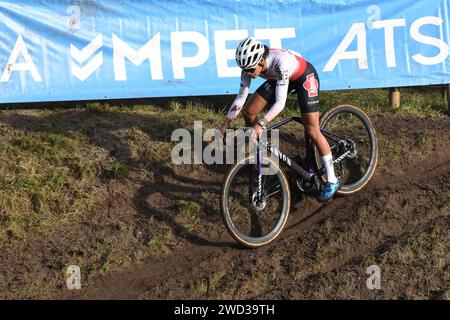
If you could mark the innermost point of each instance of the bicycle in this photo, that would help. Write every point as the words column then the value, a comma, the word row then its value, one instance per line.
column 255, row 203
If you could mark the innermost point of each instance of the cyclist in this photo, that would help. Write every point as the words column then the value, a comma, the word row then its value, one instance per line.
column 285, row 71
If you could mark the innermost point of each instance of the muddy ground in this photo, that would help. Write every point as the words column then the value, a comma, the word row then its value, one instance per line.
column 165, row 222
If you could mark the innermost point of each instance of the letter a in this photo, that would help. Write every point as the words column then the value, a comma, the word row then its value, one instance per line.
column 20, row 48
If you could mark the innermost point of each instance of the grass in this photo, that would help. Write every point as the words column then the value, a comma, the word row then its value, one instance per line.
column 41, row 189
column 160, row 241
column 428, row 103
column 410, row 263
column 190, row 211
column 74, row 168
column 115, row 169
column 206, row 285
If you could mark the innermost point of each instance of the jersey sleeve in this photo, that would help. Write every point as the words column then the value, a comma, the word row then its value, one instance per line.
column 281, row 92
column 239, row 101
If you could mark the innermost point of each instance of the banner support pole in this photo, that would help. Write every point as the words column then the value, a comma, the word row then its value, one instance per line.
column 447, row 92
column 394, row 98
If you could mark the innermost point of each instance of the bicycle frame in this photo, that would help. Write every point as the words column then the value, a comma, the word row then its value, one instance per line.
column 308, row 173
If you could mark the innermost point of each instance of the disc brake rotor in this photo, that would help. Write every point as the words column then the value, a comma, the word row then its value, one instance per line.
column 258, row 205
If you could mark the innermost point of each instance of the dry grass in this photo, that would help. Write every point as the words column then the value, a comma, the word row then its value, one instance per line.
column 95, row 187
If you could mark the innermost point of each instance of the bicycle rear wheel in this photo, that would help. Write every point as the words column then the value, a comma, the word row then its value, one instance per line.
column 251, row 223
column 353, row 143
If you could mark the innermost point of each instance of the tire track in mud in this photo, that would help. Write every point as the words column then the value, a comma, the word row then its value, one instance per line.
column 386, row 242
column 197, row 261
column 357, row 258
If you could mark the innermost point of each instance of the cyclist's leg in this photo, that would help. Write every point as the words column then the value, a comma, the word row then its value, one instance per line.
column 312, row 127
column 309, row 101
column 263, row 96
column 311, row 123
column 308, row 89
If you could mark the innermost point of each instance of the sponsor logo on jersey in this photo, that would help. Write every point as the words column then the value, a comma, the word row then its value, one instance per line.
column 282, row 76
column 267, row 86
column 311, row 85
column 235, row 108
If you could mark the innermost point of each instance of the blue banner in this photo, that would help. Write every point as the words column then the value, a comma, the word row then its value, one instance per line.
column 83, row 50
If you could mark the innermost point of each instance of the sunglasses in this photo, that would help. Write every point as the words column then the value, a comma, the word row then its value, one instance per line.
column 249, row 70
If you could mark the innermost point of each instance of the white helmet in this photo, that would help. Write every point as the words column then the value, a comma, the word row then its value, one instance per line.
column 249, row 53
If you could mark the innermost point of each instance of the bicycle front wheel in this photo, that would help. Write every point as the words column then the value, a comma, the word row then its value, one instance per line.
column 353, row 143
column 251, row 222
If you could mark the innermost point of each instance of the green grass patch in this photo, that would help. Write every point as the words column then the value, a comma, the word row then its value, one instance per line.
column 115, row 169
column 190, row 212
column 420, row 102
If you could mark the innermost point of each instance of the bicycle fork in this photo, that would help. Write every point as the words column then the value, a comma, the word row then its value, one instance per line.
column 256, row 198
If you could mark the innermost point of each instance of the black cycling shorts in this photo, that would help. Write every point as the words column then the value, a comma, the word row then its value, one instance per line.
column 307, row 87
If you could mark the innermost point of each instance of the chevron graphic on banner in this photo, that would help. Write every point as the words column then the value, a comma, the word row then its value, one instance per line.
column 81, row 56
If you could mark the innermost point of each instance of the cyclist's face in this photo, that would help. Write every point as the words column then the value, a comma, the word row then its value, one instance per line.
column 254, row 72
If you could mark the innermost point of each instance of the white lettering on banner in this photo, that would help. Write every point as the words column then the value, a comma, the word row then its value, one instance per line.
column 87, row 60
column 441, row 45
column 357, row 30
column 223, row 55
column 179, row 63
column 151, row 50
column 389, row 45
column 275, row 35
column 20, row 48
column 82, row 55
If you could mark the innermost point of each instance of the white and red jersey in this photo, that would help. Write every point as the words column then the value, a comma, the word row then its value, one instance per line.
column 283, row 66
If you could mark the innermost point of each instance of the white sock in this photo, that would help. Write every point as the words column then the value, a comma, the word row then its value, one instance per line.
column 329, row 167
